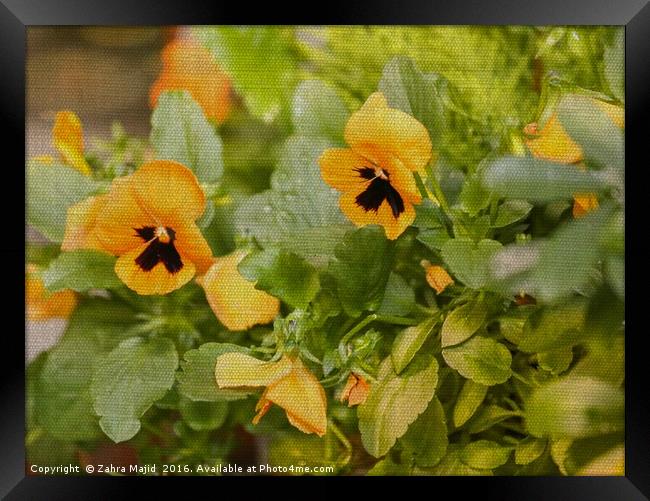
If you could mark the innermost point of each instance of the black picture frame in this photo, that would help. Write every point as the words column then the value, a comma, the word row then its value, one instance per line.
column 17, row 15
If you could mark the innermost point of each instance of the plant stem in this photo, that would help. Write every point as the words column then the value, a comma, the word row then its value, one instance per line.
column 344, row 441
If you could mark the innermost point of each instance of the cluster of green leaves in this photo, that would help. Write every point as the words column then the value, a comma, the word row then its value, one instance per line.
column 466, row 382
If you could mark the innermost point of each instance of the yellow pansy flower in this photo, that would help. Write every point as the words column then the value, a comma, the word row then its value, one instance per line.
column 375, row 174
column 234, row 300
column 289, row 384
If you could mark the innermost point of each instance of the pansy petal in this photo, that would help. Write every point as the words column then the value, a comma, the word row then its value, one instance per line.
column 236, row 369
column 155, row 281
column 387, row 136
column 554, row 144
column 403, row 181
column 168, row 191
column 81, row 222
column 582, row 204
column 338, row 168
column 395, row 226
column 234, row 300
column 438, row 278
column 119, row 217
column 193, row 246
column 42, row 305
column 67, row 135
column 303, row 398
column 190, row 66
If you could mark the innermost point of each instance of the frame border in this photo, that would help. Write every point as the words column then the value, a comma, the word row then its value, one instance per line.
column 16, row 15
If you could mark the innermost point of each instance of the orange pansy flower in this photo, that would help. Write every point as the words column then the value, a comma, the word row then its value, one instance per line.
column 553, row 143
column 355, row 391
column 192, row 67
column 288, row 383
column 42, row 305
column 147, row 219
column 375, row 173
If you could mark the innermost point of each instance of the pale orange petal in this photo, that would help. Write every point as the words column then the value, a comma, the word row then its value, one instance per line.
column 190, row 66
column 67, row 135
column 234, row 300
column 303, row 398
column 81, row 222
column 236, row 369
column 438, row 278
column 554, row 144
column 582, row 204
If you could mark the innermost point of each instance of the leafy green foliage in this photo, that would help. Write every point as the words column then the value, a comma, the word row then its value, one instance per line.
column 361, row 269
column 196, row 379
column 282, row 274
column 81, row 270
column 395, row 401
column 259, row 60
column 52, row 190
column 131, row 378
column 517, row 368
column 481, row 359
column 181, row 132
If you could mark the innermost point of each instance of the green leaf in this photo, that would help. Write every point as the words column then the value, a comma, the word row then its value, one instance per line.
column 510, row 212
column 51, row 190
column 537, row 180
column 487, row 416
column 300, row 213
column 63, row 404
column 408, row 342
column 553, row 268
column 575, row 407
column 131, row 378
column 481, row 359
column 614, row 62
column 181, row 132
column 196, row 379
column 202, row 416
column 416, row 93
column 484, row 454
column 555, row 327
column 463, row 322
column 529, row 449
column 81, row 270
column 395, row 401
column 469, row 399
column 361, row 268
column 319, row 111
column 282, row 274
column 426, row 439
column 451, row 465
column 470, row 261
column 601, row 140
column 474, row 197
column 556, row 361
column 399, row 298
column 260, row 61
